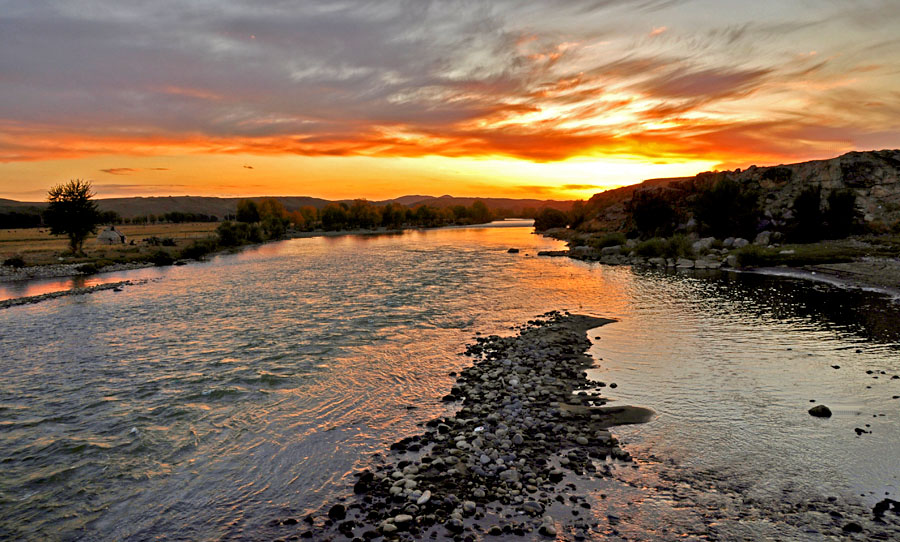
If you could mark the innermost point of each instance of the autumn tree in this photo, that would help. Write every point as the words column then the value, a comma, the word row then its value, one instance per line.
column 72, row 212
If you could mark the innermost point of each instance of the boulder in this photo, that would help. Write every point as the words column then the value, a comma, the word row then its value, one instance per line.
column 740, row 242
column 611, row 251
column 763, row 238
column 703, row 245
column 820, row 411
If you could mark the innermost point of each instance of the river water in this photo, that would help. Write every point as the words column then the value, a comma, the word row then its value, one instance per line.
column 220, row 396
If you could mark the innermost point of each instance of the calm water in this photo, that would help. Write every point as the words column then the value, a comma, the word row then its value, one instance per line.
column 220, row 396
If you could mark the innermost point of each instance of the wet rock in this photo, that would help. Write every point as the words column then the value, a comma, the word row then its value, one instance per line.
column 364, row 483
column 884, row 505
column 820, row 411
column 454, row 525
column 513, row 251
column 852, row 527
column 547, row 529
column 337, row 512
column 402, row 521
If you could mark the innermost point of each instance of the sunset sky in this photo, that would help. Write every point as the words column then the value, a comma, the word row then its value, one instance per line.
column 380, row 99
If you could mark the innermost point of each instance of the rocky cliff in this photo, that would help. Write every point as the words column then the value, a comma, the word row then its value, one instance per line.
column 873, row 176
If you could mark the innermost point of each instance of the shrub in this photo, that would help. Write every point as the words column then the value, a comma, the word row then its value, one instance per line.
column 841, row 214
column 608, row 240
column 550, row 218
column 232, row 234
column 14, row 261
column 727, row 210
column 161, row 258
column 274, row 227
column 198, row 249
column 679, row 246
column 652, row 248
column 653, row 216
column 88, row 269
column 808, row 216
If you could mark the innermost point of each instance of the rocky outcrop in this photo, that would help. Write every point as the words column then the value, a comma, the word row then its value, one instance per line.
column 873, row 176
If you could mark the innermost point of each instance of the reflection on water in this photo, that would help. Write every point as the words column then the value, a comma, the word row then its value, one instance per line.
column 237, row 391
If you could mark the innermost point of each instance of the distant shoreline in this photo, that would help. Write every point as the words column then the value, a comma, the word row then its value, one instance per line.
column 33, row 273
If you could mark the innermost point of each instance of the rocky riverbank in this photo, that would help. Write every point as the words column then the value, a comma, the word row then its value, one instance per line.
column 530, row 429
column 857, row 263
column 38, row 272
column 116, row 286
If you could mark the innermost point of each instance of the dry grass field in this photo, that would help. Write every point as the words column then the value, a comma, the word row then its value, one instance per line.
column 37, row 247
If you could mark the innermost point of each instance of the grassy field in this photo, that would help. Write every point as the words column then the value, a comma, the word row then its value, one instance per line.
column 37, row 247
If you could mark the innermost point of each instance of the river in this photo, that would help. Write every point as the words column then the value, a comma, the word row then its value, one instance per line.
column 220, row 396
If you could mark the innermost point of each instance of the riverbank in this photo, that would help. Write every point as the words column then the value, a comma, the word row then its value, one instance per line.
column 45, row 250
column 530, row 429
column 868, row 262
column 529, row 455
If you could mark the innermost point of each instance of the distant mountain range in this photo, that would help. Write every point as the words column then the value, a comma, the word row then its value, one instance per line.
column 221, row 207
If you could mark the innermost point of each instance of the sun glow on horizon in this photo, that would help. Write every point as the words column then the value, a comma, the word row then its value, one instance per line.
column 496, row 100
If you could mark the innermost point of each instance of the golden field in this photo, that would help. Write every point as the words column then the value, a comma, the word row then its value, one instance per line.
column 37, row 247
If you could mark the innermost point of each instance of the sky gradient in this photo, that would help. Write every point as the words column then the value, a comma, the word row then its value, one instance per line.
column 380, row 99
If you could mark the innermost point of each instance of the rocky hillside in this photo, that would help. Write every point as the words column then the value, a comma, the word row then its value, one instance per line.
column 873, row 176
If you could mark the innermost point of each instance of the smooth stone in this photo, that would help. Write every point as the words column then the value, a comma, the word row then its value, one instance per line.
column 424, row 498
column 820, row 411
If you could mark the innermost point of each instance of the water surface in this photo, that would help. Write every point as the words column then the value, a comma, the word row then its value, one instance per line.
column 222, row 395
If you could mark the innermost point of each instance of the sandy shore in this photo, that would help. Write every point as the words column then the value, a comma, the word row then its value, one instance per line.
column 881, row 273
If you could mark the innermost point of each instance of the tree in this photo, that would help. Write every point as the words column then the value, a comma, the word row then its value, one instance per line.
column 72, row 212
column 549, row 218
column 653, row 215
column 841, row 214
column 247, row 211
column 727, row 209
column 808, row 216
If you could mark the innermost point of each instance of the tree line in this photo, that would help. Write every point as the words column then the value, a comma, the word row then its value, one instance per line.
column 257, row 220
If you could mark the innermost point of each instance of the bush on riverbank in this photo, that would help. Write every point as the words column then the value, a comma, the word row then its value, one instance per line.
column 677, row 246
column 161, row 258
column 550, row 218
column 14, row 261
column 725, row 209
column 608, row 240
column 652, row 215
column 198, row 249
